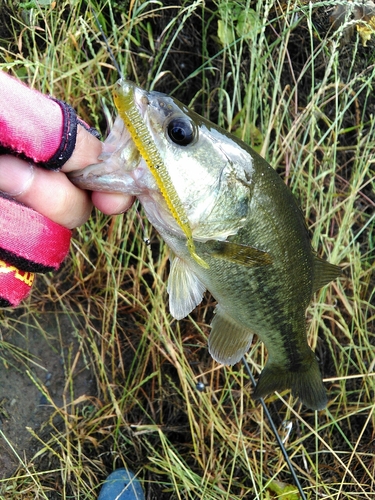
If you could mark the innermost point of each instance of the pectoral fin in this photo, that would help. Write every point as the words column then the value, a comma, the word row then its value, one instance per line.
column 237, row 253
column 324, row 272
column 184, row 288
column 228, row 341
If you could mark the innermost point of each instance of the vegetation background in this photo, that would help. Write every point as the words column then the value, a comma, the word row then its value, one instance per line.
column 94, row 372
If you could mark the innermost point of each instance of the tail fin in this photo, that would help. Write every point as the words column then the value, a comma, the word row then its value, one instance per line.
column 306, row 383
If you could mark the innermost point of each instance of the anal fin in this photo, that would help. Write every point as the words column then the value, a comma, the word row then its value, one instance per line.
column 228, row 341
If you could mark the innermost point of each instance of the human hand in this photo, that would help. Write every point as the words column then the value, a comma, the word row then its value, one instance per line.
column 49, row 135
column 86, row 152
column 52, row 194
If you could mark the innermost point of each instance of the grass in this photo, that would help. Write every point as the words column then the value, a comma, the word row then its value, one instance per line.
column 281, row 79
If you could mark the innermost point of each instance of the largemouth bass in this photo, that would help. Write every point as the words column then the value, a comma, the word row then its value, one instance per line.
column 233, row 228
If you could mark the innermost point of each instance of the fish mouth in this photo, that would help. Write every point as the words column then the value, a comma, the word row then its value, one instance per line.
column 140, row 96
column 116, row 169
column 96, row 178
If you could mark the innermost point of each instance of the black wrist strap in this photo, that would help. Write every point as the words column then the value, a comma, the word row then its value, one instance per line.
column 68, row 138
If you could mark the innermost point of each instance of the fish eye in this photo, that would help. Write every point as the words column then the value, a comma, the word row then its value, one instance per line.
column 181, row 131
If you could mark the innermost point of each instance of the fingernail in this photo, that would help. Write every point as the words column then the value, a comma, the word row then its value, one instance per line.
column 16, row 175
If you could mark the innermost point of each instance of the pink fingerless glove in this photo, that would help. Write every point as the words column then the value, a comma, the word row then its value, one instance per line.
column 36, row 127
column 43, row 130
column 29, row 243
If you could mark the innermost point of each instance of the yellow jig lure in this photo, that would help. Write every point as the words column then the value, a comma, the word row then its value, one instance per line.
column 124, row 100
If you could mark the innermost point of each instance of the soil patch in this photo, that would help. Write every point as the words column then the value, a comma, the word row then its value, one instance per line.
column 35, row 356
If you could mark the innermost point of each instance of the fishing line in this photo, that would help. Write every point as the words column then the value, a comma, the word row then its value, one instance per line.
column 115, row 63
column 146, row 239
column 276, row 434
column 247, row 368
column 124, row 98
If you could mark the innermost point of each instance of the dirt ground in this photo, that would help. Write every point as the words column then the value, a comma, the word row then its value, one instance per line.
column 50, row 342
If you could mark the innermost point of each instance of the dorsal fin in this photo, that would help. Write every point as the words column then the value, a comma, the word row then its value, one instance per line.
column 324, row 272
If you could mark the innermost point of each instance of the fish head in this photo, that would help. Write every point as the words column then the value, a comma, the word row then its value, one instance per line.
column 208, row 171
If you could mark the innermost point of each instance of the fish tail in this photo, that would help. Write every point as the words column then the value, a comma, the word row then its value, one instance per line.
column 305, row 383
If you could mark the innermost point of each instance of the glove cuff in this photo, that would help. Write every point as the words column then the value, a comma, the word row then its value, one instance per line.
column 29, row 240
column 29, row 243
column 68, row 136
column 15, row 285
